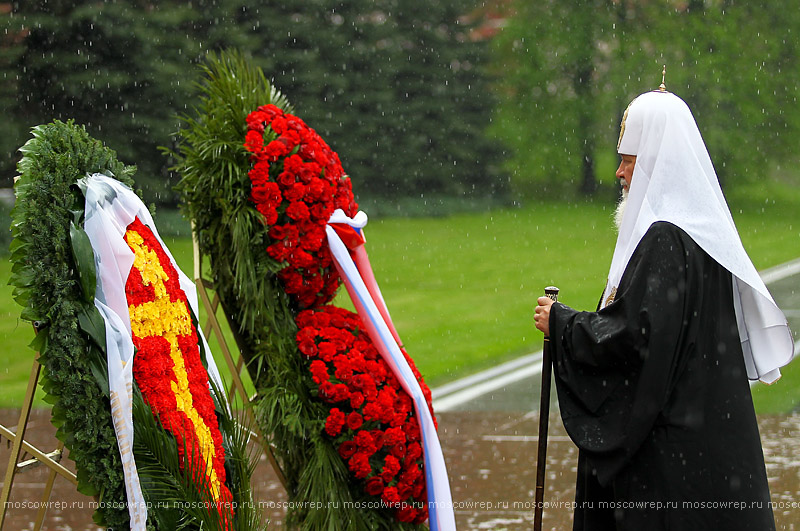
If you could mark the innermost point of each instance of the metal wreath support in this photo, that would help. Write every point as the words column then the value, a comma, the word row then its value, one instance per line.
column 20, row 447
column 212, row 305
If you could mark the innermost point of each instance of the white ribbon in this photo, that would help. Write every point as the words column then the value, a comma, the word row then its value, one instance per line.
column 110, row 208
column 440, row 505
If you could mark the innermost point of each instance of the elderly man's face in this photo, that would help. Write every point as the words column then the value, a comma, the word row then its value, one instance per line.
column 625, row 171
column 624, row 174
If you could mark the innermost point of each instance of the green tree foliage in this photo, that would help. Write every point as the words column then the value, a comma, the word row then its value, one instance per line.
column 550, row 54
column 123, row 69
column 737, row 66
column 398, row 88
column 570, row 68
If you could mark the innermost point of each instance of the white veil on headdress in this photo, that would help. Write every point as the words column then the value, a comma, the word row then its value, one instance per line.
column 674, row 180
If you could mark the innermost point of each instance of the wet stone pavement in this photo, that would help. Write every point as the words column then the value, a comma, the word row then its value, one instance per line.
column 491, row 460
column 489, row 446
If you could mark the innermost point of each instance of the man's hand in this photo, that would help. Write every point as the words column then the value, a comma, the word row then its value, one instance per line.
column 542, row 315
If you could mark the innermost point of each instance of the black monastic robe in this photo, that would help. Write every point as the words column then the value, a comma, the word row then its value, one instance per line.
column 653, row 391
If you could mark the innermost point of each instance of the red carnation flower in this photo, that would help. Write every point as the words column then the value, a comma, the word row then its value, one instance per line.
column 406, row 513
column 293, row 164
column 414, row 451
column 356, row 399
column 279, row 124
column 319, row 371
column 390, row 496
column 295, row 193
column 298, row 211
column 253, row 142
column 378, row 437
column 354, row 421
column 410, row 474
column 403, row 490
column 365, row 441
column 271, row 111
column 286, row 180
column 275, row 150
column 347, row 449
column 374, row 486
column 326, row 391
column 334, row 422
column 394, row 436
column 398, row 419
column 340, row 393
column 391, row 466
column 418, row 490
column 291, row 137
column 267, row 193
column 359, row 465
column 278, row 251
column 326, row 350
column 372, row 411
column 411, row 429
column 256, row 120
column 307, row 347
column 398, row 451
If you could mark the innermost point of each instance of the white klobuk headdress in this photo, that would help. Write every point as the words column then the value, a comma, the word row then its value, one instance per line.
column 674, row 181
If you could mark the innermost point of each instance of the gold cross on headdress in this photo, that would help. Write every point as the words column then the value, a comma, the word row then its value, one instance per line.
column 662, row 87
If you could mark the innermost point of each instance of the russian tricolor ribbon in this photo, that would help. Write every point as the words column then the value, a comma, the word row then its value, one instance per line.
column 346, row 241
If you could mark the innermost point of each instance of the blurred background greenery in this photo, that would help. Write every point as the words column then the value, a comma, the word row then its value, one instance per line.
column 488, row 101
column 493, row 123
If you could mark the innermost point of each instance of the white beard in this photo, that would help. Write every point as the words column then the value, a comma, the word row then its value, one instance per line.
column 620, row 210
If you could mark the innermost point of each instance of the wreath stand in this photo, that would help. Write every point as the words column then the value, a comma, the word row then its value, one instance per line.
column 19, row 444
column 20, row 447
column 212, row 305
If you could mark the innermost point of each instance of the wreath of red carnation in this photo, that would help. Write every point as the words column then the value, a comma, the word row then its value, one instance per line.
column 372, row 420
column 167, row 365
column 297, row 182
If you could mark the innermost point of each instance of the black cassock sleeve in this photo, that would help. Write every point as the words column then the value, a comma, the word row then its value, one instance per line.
column 615, row 368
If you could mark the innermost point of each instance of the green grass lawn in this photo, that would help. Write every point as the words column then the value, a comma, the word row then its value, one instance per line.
column 461, row 289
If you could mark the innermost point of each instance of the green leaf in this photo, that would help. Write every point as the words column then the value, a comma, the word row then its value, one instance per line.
column 83, row 255
column 17, row 244
column 31, row 314
column 92, row 323
column 39, row 342
column 99, row 367
column 22, row 276
column 85, row 485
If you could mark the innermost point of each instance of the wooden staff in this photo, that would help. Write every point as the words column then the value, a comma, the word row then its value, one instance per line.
column 551, row 292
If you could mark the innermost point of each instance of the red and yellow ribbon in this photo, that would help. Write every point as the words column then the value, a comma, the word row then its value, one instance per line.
column 167, row 365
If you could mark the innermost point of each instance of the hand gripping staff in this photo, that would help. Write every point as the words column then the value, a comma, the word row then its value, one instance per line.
column 551, row 292
column 346, row 242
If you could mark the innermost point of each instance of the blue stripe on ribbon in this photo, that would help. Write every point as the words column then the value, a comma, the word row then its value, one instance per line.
column 419, row 399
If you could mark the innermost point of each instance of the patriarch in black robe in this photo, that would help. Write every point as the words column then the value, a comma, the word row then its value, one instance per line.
column 653, row 386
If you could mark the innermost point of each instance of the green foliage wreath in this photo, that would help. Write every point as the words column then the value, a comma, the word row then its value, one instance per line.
column 48, row 206
column 54, row 279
